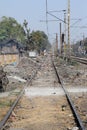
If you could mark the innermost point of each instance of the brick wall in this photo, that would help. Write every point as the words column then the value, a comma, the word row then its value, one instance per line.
column 9, row 59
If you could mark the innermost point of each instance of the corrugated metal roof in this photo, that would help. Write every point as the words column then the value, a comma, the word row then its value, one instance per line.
column 10, row 46
column 11, row 42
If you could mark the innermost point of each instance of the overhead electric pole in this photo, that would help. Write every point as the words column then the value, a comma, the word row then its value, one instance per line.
column 65, row 27
column 69, row 27
column 64, row 46
column 57, row 43
column 60, row 40
column 47, row 17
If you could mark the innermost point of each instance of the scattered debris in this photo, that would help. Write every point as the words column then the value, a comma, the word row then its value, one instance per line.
column 19, row 74
column 17, row 78
column 63, row 107
column 3, row 79
column 75, row 128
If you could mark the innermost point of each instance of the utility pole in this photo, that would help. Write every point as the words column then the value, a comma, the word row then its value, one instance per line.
column 64, row 33
column 47, row 17
column 65, row 25
column 60, row 40
column 56, row 43
column 83, row 41
column 69, row 27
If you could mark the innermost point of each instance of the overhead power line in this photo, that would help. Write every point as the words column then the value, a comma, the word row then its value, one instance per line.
column 48, row 20
column 56, row 11
column 56, row 17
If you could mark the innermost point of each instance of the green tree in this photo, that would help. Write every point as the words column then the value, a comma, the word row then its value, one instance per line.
column 11, row 29
column 29, row 41
column 40, row 40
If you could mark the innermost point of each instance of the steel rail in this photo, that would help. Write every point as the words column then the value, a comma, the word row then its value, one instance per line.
column 2, row 123
column 6, row 117
column 77, row 118
column 81, row 60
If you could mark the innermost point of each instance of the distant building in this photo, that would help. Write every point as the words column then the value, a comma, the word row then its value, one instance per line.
column 10, row 51
column 11, row 46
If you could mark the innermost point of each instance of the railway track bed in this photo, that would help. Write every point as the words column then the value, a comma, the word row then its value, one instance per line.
column 43, row 105
column 31, row 114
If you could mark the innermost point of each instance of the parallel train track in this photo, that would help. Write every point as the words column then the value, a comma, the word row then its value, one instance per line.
column 81, row 60
column 77, row 117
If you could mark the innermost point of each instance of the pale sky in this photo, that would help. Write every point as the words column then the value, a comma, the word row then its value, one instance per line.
column 35, row 10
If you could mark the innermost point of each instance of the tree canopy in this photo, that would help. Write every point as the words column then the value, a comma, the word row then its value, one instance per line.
column 40, row 40
column 11, row 29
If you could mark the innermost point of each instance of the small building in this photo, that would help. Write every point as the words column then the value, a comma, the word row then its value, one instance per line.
column 10, row 51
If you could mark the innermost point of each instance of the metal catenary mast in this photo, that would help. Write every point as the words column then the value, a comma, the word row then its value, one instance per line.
column 69, row 27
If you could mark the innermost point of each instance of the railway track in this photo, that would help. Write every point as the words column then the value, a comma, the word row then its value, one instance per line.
column 77, row 117
column 81, row 60
column 46, row 108
column 19, row 96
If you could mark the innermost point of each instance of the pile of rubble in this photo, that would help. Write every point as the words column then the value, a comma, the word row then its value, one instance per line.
column 21, row 73
column 26, row 67
column 72, row 74
column 3, row 79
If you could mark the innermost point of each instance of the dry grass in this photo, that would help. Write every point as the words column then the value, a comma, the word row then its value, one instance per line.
column 5, row 104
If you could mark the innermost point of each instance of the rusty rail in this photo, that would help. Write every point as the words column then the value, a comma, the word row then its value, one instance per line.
column 81, row 60
column 77, row 118
column 4, row 120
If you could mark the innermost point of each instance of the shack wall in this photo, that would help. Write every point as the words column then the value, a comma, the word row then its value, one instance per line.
column 9, row 59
